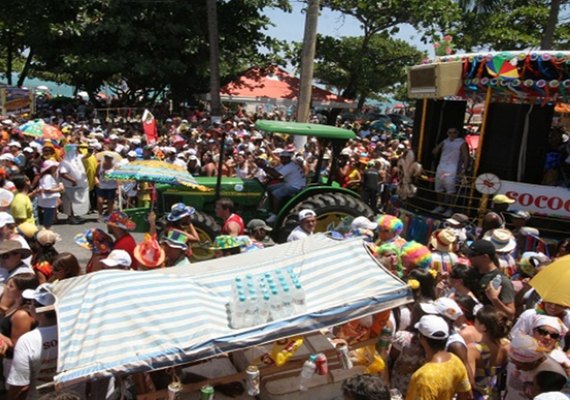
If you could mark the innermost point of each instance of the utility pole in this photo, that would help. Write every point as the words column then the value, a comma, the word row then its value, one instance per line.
column 307, row 66
column 215, row 102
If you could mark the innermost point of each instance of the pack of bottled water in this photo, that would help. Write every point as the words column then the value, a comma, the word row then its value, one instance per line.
column 258, row 299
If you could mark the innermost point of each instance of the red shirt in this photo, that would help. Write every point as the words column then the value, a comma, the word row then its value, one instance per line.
column 233, row 218
column 128, row 244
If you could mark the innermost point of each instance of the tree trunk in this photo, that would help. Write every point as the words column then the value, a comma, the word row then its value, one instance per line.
column 26, row 69
column 307, row 61
column 215, row 101
column 9, row 57
column 548, row 37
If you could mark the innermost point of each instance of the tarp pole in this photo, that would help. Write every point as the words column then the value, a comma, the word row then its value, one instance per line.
column 483, row 130
column 480, row 144
column 422, row 129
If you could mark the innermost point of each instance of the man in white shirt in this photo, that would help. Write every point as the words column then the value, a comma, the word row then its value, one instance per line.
column 292, row 180
column 454, row 158
column 74, row 178
column 307, row 224
column 35, row 354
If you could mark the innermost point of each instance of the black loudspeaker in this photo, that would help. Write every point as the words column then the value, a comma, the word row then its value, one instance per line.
column 441, row 115
column 503, row 138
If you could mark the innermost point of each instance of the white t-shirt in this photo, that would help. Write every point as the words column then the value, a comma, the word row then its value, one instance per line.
column 450, row 155
column 48, row 200
column 292, row 175
column 297, row 234
column 35, row 359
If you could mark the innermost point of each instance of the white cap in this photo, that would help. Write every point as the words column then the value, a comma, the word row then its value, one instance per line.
column 304, row 214
column 363, row 223
column 42, row 296
column 192, row 157
column 36, row 145
column 433, row 327
column 5, row 219
column 118, row 258
column 113, row 137
column 7, row 157
column 15, row 144
column 132, row 153
column 28, row 149
column 443, row 306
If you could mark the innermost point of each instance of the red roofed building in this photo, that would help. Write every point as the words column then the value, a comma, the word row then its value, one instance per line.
column 277, row 87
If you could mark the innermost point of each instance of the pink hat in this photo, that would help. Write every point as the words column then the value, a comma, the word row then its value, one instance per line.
column 525, row 349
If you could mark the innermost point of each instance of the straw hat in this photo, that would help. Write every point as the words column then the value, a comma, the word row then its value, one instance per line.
column 502, row 239
column 13, row 246
column 148, row 253
column 443, row 239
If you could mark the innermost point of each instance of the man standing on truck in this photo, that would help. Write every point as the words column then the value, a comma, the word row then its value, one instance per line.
column 454, row 159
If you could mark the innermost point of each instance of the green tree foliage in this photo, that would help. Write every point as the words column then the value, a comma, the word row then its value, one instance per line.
column 378, row 69
column 384, row 17
column 509, row 25
column 144, row 48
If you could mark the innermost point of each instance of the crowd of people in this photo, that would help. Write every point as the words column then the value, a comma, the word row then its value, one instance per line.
column 476, row 329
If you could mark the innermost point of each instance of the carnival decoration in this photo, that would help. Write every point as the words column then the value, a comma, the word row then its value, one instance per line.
column 535, row 76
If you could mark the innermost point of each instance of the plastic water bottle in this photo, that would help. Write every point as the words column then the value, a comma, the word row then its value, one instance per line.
column 287, row 301
column 299, row 301
column 238, row 312
column 276, row 304
column 236, row 285
column 307, row 372
column 264, row 308
column 252, row 309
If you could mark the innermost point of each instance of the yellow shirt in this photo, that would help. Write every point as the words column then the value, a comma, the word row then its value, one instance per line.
column 90, row 163
column 439, row 381
column 21, row 208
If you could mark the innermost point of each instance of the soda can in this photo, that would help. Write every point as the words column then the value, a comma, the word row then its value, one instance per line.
column 174, row 391
column 252, row 383
column 322, row 364
column 342, row 353
column 207, row 393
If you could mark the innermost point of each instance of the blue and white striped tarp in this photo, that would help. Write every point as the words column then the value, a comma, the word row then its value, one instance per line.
column 116, row 322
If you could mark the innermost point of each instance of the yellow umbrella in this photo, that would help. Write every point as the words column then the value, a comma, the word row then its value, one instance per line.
column 553, row 282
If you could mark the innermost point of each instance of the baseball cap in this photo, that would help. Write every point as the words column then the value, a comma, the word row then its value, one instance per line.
column 458, row 219
column 443, row 306
column 118, row 258
column 256, row 224
column 480, row 247
column 363, row 223
column 41, row 296
column 304, row 214
column 15, row 144
column 433, row 327
column 502, row 199
column 520, row 214
column 5, row 219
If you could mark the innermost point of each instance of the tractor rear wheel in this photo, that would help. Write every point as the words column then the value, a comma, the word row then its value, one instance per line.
column 335, row 211
column 207, row 230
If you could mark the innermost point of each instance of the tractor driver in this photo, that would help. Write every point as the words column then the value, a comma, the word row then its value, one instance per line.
column 292, row 180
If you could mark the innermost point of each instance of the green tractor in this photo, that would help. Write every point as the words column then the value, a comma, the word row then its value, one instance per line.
column 335, row 206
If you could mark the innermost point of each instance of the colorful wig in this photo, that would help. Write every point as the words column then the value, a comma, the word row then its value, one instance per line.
column 415, row 255
column 395, row 225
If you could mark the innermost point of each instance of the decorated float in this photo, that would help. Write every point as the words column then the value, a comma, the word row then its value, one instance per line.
column 517, row 149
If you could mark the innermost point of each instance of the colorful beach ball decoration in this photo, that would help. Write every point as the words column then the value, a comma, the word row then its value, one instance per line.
column 503, row 65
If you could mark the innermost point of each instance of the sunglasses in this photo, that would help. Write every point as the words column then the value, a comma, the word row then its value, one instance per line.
column 6, row 256
column 545, row 333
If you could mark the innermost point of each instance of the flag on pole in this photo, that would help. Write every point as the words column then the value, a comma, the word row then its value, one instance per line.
column 149, row 127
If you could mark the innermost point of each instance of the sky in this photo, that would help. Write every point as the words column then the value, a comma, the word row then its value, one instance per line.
column 290, row 26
